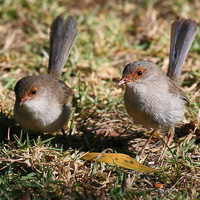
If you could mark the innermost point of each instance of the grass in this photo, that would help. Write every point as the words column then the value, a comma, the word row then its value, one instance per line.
column 111, row 34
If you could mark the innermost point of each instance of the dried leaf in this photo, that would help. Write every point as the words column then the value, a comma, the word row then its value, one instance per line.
column 121, row 160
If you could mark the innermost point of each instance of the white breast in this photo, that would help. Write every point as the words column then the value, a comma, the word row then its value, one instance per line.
column 153, row 107
column 37, row 116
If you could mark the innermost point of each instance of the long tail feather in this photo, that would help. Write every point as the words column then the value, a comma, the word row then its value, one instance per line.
column 183, row 32
column 63, row 35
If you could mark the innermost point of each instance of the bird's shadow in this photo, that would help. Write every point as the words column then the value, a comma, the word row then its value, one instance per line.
column 87, row 137
column 92, row 137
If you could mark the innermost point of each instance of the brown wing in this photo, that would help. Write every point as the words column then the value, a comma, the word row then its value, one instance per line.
column 67, row 93
column 176, row 90
column 58, row 88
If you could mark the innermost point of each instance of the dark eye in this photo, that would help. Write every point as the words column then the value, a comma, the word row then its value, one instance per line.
column 139, row 73
column 33, row 92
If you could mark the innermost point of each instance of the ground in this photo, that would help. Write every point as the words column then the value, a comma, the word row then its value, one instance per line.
column 111, row 34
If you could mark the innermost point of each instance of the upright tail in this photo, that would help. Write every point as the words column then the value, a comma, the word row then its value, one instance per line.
column 62, row 38
column 183, row 32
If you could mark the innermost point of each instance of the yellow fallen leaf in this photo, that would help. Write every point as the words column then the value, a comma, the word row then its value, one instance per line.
column 121, row 160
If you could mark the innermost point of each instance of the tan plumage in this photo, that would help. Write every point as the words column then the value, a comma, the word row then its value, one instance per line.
column 152, row 98
column 43, row 103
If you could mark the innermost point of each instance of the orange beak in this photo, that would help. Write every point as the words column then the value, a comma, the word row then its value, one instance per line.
column 23, row 100
column 123, row 80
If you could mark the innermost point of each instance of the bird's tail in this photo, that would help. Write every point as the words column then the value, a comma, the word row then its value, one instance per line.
column 62, row 38
column 183, row 32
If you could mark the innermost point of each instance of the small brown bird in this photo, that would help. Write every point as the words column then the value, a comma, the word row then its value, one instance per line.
column 43, row 103
column 152, row 98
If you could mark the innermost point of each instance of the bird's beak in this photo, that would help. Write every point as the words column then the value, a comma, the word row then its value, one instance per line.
column 24, row 99
column 123, row 80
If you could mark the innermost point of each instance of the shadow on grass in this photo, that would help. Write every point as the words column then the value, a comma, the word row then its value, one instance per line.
column 8, row 127
column 89, row 137
column 92, row 137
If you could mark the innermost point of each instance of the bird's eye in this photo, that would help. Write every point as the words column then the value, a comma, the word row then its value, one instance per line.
column 139, row 73
column 33, row 92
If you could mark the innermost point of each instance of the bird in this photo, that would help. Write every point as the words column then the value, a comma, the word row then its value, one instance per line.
column 154, row 99
column 44, row 103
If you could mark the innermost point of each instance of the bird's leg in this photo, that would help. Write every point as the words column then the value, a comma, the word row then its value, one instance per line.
column 171, row 135
column 149, row 139
column 65, row 138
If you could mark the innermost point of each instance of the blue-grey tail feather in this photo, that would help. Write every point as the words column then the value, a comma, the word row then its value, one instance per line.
column 62, row 38
column 183, row 32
